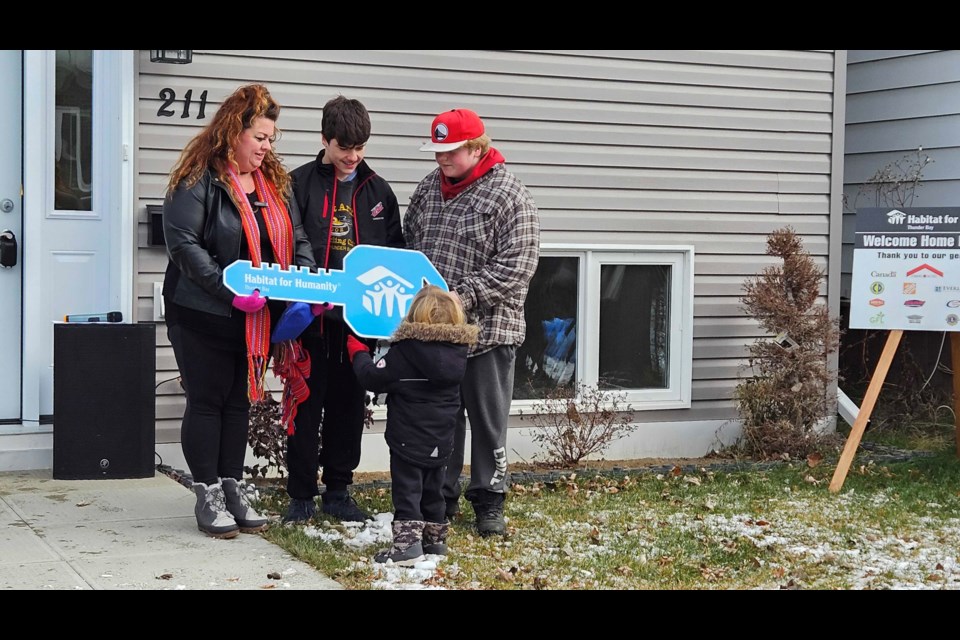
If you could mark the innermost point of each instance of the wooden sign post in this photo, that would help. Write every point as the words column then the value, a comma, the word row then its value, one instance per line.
column 955, row 363
column 870, row 400
column 863, row 417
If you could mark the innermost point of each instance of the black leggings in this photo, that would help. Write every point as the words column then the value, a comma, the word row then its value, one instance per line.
column 215, row 423
column 417, row 491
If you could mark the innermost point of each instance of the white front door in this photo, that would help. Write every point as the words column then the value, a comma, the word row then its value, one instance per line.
column 77, row 176
column 11, row 225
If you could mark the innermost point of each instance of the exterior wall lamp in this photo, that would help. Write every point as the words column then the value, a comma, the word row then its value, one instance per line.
column 172, row 56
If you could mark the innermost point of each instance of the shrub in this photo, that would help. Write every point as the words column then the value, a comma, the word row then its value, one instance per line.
column 268, row 439
column 575, row 421
column 787, row 396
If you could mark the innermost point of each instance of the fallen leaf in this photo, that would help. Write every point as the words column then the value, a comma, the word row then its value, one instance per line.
column 164, row 576
column 939, row 567
column 694, row 480
column 676, row 471
column 506, row 576
column 83, row 503
column 762, row 523
column 625, row 571
column 275, row 575
column 814, row 459
column 935, row 577
column 810, row 479
column 710, row 504
column 268, row 586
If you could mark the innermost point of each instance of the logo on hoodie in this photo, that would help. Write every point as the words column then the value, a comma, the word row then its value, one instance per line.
column 377, row 210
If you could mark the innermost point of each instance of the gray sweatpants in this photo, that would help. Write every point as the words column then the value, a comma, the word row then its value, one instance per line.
column 485, row 393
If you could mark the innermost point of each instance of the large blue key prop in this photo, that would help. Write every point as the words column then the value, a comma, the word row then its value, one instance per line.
column 375, row 286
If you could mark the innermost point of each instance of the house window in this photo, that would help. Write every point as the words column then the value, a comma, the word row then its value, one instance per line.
column 548, row 356
column 73, row 136
column 617, row 317
column 634, row 323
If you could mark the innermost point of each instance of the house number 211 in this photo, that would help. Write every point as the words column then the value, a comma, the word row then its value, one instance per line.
column 169, row 96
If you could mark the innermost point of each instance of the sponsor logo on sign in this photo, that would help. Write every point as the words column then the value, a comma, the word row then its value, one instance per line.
column 883, row 274
column 953, row 304
column 924, row 271
column 914, row 319
column 909, row 288
column 876, row 288
column 877, row 318
column 896, row 217
column 914, row 303
column 942, row 288
column 877, row 302
column 952, row 319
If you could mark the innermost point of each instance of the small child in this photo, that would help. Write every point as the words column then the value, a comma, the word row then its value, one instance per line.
column 421, row 373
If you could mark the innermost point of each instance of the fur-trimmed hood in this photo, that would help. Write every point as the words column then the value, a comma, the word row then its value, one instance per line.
column 455, row 333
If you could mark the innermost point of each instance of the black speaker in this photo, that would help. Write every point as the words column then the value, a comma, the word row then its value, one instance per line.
column 104, row 407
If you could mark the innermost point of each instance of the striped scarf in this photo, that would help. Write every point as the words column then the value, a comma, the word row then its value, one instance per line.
column 280, row 232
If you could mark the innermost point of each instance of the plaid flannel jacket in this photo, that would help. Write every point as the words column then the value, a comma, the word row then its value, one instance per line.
column 485, row 243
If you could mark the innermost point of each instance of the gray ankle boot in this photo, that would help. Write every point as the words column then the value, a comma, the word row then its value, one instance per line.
column 211, row 511
column 407, row 549
column 238, row 504
column 435, row 538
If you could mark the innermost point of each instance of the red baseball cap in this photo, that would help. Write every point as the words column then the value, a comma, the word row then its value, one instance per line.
column 451, row 129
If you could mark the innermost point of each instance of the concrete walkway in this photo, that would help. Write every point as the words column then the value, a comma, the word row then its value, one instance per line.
column 128, row 534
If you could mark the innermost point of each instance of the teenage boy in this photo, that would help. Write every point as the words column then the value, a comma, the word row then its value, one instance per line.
column 343, row 203
column 479, row 226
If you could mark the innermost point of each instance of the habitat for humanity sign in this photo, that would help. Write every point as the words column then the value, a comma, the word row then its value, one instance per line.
column 374, row 287
column 906, row 269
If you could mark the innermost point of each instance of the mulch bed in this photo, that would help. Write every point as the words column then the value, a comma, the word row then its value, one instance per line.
column 867, row 453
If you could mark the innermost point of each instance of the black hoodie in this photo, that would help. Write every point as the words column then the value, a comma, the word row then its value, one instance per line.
column 421, row 373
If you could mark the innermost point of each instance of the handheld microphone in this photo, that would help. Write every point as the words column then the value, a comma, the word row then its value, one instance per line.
column 110, row 316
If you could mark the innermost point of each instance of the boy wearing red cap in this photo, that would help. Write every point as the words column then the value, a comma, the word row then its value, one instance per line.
column 478, row 224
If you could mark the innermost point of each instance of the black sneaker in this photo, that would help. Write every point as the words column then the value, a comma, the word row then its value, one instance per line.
column 401, row 556
column 300, row 510
column 342, row 506
column 489, row 510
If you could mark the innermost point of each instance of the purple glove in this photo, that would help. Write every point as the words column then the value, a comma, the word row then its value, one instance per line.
column 319, row 308
column 250, row 304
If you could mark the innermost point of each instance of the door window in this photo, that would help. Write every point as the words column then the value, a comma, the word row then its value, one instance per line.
column 73, row 134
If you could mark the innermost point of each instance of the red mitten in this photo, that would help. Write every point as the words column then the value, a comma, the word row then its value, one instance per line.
column 250, row 304
column 354, row 345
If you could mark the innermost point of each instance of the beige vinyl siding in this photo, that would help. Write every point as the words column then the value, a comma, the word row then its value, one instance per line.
column 710, row 148
column 898, row 101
